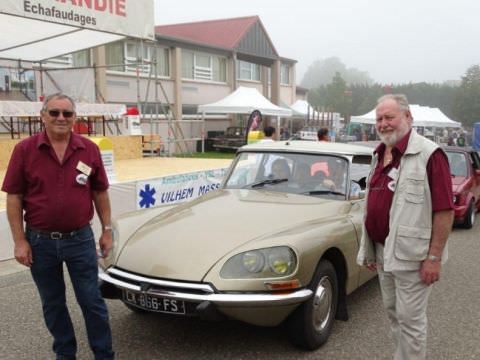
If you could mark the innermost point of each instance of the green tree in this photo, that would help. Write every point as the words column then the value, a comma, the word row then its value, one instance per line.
column 321, row 72
column 467, row 101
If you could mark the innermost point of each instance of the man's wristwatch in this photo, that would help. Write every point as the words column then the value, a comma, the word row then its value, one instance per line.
column 434, row 258
column 107, row 227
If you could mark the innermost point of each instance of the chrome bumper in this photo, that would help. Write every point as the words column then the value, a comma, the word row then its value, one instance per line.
column 197, row 293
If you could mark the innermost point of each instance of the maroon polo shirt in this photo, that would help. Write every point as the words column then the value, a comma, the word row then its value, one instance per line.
column 54, row 198
column 380, row 196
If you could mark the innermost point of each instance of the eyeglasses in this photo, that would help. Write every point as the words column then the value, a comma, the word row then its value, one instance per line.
column 65, row 113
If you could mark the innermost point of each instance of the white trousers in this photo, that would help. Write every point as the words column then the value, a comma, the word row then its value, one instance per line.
column 405, row 298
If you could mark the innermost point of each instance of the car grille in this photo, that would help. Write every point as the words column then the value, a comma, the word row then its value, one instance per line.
column 159, row 286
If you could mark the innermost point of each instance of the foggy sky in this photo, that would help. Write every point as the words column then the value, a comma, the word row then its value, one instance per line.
column 394, row 41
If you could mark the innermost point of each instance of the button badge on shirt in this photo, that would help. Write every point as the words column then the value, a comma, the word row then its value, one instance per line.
column 81, row 179
column 392, row 174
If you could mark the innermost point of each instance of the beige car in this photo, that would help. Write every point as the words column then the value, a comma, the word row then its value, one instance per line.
column 277, row 242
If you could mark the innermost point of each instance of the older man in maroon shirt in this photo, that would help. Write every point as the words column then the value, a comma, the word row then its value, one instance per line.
column 56, row 177
column 409, row 215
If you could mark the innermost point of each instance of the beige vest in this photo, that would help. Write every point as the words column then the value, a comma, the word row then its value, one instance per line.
column 410, row 224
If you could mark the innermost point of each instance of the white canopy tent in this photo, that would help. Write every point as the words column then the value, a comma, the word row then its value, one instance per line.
column 303, row 108
column 244, row 100
column 422, row 116
column 36, row 31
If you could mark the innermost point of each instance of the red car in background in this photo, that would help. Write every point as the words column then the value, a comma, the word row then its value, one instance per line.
column 465, row 170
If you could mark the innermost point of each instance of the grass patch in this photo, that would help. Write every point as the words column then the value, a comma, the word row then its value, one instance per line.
column 207, row 155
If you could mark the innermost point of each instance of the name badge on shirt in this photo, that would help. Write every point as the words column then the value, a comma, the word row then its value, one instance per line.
column 84, row 168
column 393, row 174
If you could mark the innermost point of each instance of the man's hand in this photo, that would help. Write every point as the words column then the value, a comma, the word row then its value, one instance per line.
column 372, row 266
column 430, row 271
column 23, row 253
column 106, row 243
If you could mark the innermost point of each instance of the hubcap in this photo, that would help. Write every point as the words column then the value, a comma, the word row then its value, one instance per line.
column 322, row 304
column 472, row 216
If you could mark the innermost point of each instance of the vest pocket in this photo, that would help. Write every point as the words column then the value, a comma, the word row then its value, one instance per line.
column 414, row 191
column 412, row 243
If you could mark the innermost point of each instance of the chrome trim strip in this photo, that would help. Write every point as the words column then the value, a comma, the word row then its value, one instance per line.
column 174, row 284
column 230, row 300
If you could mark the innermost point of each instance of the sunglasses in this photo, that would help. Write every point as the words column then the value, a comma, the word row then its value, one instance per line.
column 65, row 113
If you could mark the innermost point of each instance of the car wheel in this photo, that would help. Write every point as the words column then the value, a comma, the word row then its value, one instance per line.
column 310, row 324
column 135, row 309
column 469, row 216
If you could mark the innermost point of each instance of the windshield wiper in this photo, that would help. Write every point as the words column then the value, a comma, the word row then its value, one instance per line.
column 322, row 192
column 266, row 182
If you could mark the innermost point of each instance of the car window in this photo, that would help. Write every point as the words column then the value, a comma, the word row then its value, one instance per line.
column 475, row 159
column 458, row 163
column 307, row 174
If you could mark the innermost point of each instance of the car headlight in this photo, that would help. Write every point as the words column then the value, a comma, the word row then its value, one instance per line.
column 261, row 263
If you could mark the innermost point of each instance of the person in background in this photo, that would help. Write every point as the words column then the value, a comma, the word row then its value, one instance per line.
column 269, row 132
column 322, row 134
column 409, row 216
column 280, row 169
column 56, row 177
column 284, row 133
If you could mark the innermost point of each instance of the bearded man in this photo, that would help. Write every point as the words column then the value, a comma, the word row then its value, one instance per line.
column 409, row 215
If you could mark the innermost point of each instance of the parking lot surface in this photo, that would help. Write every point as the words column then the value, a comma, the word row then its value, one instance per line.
column 454, row 315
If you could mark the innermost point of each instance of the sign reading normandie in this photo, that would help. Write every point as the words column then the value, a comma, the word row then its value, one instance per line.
column 126, row 17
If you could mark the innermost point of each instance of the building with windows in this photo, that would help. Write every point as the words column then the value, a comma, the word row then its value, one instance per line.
column 198, row 63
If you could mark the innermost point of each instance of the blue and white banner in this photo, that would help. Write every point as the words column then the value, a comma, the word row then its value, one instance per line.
column 175, row 189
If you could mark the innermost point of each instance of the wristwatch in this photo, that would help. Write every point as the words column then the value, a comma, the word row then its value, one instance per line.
column 107, row 227
column 434, row 258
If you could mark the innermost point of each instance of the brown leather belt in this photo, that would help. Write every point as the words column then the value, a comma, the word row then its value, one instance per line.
column 57, row 235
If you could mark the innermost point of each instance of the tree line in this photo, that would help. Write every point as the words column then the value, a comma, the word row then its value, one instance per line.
column 460, row 100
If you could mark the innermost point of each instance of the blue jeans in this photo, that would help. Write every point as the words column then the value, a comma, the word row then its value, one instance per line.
column 79, row 254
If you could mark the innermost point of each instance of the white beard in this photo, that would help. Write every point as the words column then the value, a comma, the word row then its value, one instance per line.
column 389, row 139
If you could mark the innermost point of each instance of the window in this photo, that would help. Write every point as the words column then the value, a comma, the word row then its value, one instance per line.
column 284, row 74
column 219, row 67
column 134, row 55
column 248, row 71
column 81, row 58
column 200, row 66
column 114, row 56
column 60, row 61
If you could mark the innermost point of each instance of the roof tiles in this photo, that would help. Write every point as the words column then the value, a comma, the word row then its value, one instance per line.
column 225, row 33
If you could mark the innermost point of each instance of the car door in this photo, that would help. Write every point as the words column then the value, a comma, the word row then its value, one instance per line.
column 475, row 158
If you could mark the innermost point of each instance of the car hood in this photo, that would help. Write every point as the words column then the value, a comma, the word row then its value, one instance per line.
column 183, row 243
column 457, row 182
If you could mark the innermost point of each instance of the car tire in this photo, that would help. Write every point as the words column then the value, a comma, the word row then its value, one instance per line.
column 310, row 325
column 135, row 309
column 470, row 216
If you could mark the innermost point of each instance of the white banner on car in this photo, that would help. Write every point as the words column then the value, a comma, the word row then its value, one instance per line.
column 177, row 188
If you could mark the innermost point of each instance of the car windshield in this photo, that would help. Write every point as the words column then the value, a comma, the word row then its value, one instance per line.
column 307, row 174
column 458, row 164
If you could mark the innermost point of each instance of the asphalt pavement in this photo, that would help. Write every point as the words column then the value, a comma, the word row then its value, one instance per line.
column 454, row 318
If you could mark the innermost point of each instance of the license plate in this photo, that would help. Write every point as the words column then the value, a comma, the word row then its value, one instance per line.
column 154, row 303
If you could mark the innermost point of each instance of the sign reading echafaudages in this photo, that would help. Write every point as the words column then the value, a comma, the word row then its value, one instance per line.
column 125, row 17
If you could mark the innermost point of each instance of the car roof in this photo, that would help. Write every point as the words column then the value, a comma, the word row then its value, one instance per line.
column 322, row 147
column 466, row 149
